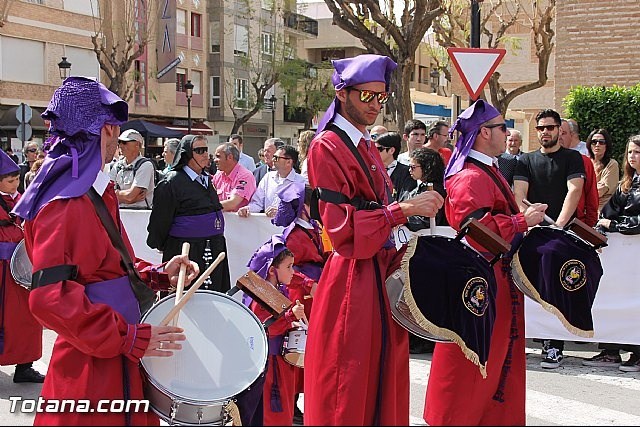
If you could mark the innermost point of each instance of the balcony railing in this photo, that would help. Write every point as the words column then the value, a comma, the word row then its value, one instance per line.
column 301, row 23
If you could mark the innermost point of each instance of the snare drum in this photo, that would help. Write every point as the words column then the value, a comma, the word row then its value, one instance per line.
column 293, row 345
column 20, row 266
column 225, row 351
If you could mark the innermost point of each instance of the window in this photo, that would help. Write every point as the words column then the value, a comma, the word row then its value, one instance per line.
column 242, row 86
column 84, row 62
column 23, row 61
column 90, row 8
column 196, row 81
column 214, row 36
column 181, row 21
column 328, row 54
column 215, row 91
column 140, row 76
column 195, row 25
column 267, row 43
column 241, row 42
column 181, row 79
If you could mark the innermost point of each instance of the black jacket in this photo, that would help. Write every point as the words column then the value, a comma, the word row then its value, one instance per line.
column 402, row 181
column 624, row 210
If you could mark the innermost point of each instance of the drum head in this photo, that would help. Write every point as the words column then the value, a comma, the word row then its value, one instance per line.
column 225, row 351
column 21, row 266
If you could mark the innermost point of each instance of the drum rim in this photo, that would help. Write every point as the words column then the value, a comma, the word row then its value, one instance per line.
column 20, row 247
column 183, row 399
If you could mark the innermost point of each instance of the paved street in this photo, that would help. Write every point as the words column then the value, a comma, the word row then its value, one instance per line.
column 570, row 395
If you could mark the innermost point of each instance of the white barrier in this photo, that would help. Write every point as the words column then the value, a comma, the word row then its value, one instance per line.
column 615, row 309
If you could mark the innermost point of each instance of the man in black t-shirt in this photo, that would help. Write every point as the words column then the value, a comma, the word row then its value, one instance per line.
column 553, row 175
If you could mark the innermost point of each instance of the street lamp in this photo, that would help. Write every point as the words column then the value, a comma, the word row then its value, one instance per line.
column 273, row 100
column 188, row 86
column 435, row 80
column 65, row 68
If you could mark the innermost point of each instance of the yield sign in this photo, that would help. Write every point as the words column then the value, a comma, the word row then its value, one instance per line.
column 475, row 66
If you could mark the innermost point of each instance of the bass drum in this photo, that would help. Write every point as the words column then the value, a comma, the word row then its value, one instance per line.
column 225, row 353
column 20, row 266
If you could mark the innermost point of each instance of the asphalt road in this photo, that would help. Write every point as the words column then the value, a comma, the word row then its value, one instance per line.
column 570, row 395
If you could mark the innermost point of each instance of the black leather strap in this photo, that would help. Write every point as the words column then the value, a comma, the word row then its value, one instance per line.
column 144, row 294
column 55, row 274
column 508, row 194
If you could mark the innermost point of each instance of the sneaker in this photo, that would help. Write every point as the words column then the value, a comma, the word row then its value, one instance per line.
column 28, row 375
column 546, row 344
column 553, row 359
column 631, row 365
column 603, row 360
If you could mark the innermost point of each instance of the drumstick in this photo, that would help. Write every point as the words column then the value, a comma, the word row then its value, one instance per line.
column 307, row 297
column 432, row 220
column 192, row 290
column 182, row 275
column 547, row 218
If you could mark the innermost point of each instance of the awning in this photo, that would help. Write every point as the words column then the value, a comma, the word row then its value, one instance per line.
column 9, row 122
column 196, row 129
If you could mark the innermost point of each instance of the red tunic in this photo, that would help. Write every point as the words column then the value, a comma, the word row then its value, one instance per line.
column 457, row 394
column 279, row 371
column 22, row 332
column 342, row 363
column 94, row 341
column 588, row 205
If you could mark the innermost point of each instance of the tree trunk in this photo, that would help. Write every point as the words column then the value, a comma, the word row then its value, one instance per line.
column 403, row 104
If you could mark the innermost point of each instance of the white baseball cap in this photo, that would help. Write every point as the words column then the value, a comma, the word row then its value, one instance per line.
column 131, row 135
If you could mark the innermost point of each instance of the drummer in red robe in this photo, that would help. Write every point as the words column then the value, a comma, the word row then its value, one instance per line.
column 457, row 394
column 20, row 332
column 357, row 357
column 80, row 288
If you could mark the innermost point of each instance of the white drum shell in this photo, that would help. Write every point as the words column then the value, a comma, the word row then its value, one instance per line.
column 293, row 346
column 225, row 351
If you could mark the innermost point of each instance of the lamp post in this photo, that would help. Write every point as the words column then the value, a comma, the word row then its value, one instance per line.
column 189, row 88
column 435, row 80
column 475, row 23
column 273, row 100
column 65, row 68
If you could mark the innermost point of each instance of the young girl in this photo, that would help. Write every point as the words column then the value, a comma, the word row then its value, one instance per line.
column 20, row 332
column 274, row 262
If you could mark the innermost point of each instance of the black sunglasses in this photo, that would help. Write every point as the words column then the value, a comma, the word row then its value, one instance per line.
column 32, row 150
column 382, row 148
column 598, row 142
column 550, row 128
column 201, row 150
column 367, row 96
column 276, row 158
column 502, row 126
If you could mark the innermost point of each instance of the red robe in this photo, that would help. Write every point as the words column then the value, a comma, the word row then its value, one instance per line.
column 22, row 332
column 94, row 341
column 588, row 205
column 278, row 369
column 342, row 363
column 457, row 394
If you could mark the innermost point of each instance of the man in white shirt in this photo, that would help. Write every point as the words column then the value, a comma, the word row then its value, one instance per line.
column 265, row 198
column 245, row 159
column 133, row 174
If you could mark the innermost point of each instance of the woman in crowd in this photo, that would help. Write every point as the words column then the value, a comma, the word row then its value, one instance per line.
column 607, row 170
column 304, row 140
column 622, row 214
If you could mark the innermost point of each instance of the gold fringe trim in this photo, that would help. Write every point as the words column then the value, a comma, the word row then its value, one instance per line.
column 232, row 409
column 471, row 355
column 535, row 295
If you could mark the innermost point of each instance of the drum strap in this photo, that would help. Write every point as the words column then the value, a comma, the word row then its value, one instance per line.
column 508, row 195
column 54, row 274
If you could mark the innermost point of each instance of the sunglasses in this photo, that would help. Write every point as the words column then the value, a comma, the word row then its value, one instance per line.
column 201, row 150
column 502, row 126
column 598, row 142
column 32, row 150
column 549, row 128
column 382, row 148
column 276, row 158
column 367, row 96
column 412, row 167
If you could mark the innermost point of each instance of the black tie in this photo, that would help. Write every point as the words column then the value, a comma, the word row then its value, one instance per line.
column 203, row 181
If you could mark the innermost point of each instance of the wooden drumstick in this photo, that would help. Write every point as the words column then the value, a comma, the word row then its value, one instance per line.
column 182, row 275
column 192, row 290
column 547, row 218
column 307, row 297
column 432, row 220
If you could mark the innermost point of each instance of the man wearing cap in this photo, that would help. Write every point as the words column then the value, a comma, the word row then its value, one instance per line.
column 356, row 362
column 133, row 173
column 80, row 288
column 457, row 394
column 187, row 209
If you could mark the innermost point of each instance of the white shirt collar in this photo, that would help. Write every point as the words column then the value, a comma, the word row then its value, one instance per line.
column 481, row 157
column 101, row 182
column 192, row 174
column 304, row 224
column 13, row 196
column 354, row 134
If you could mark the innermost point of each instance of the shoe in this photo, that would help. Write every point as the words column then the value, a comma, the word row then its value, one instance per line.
column 553, row 359
column 603, row 360
column 28, row 375
column 298, row 416
column 546, row 344
column 631, row 365
column 422, row 347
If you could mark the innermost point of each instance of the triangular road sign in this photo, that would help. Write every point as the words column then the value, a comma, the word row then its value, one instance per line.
column 475, row 66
